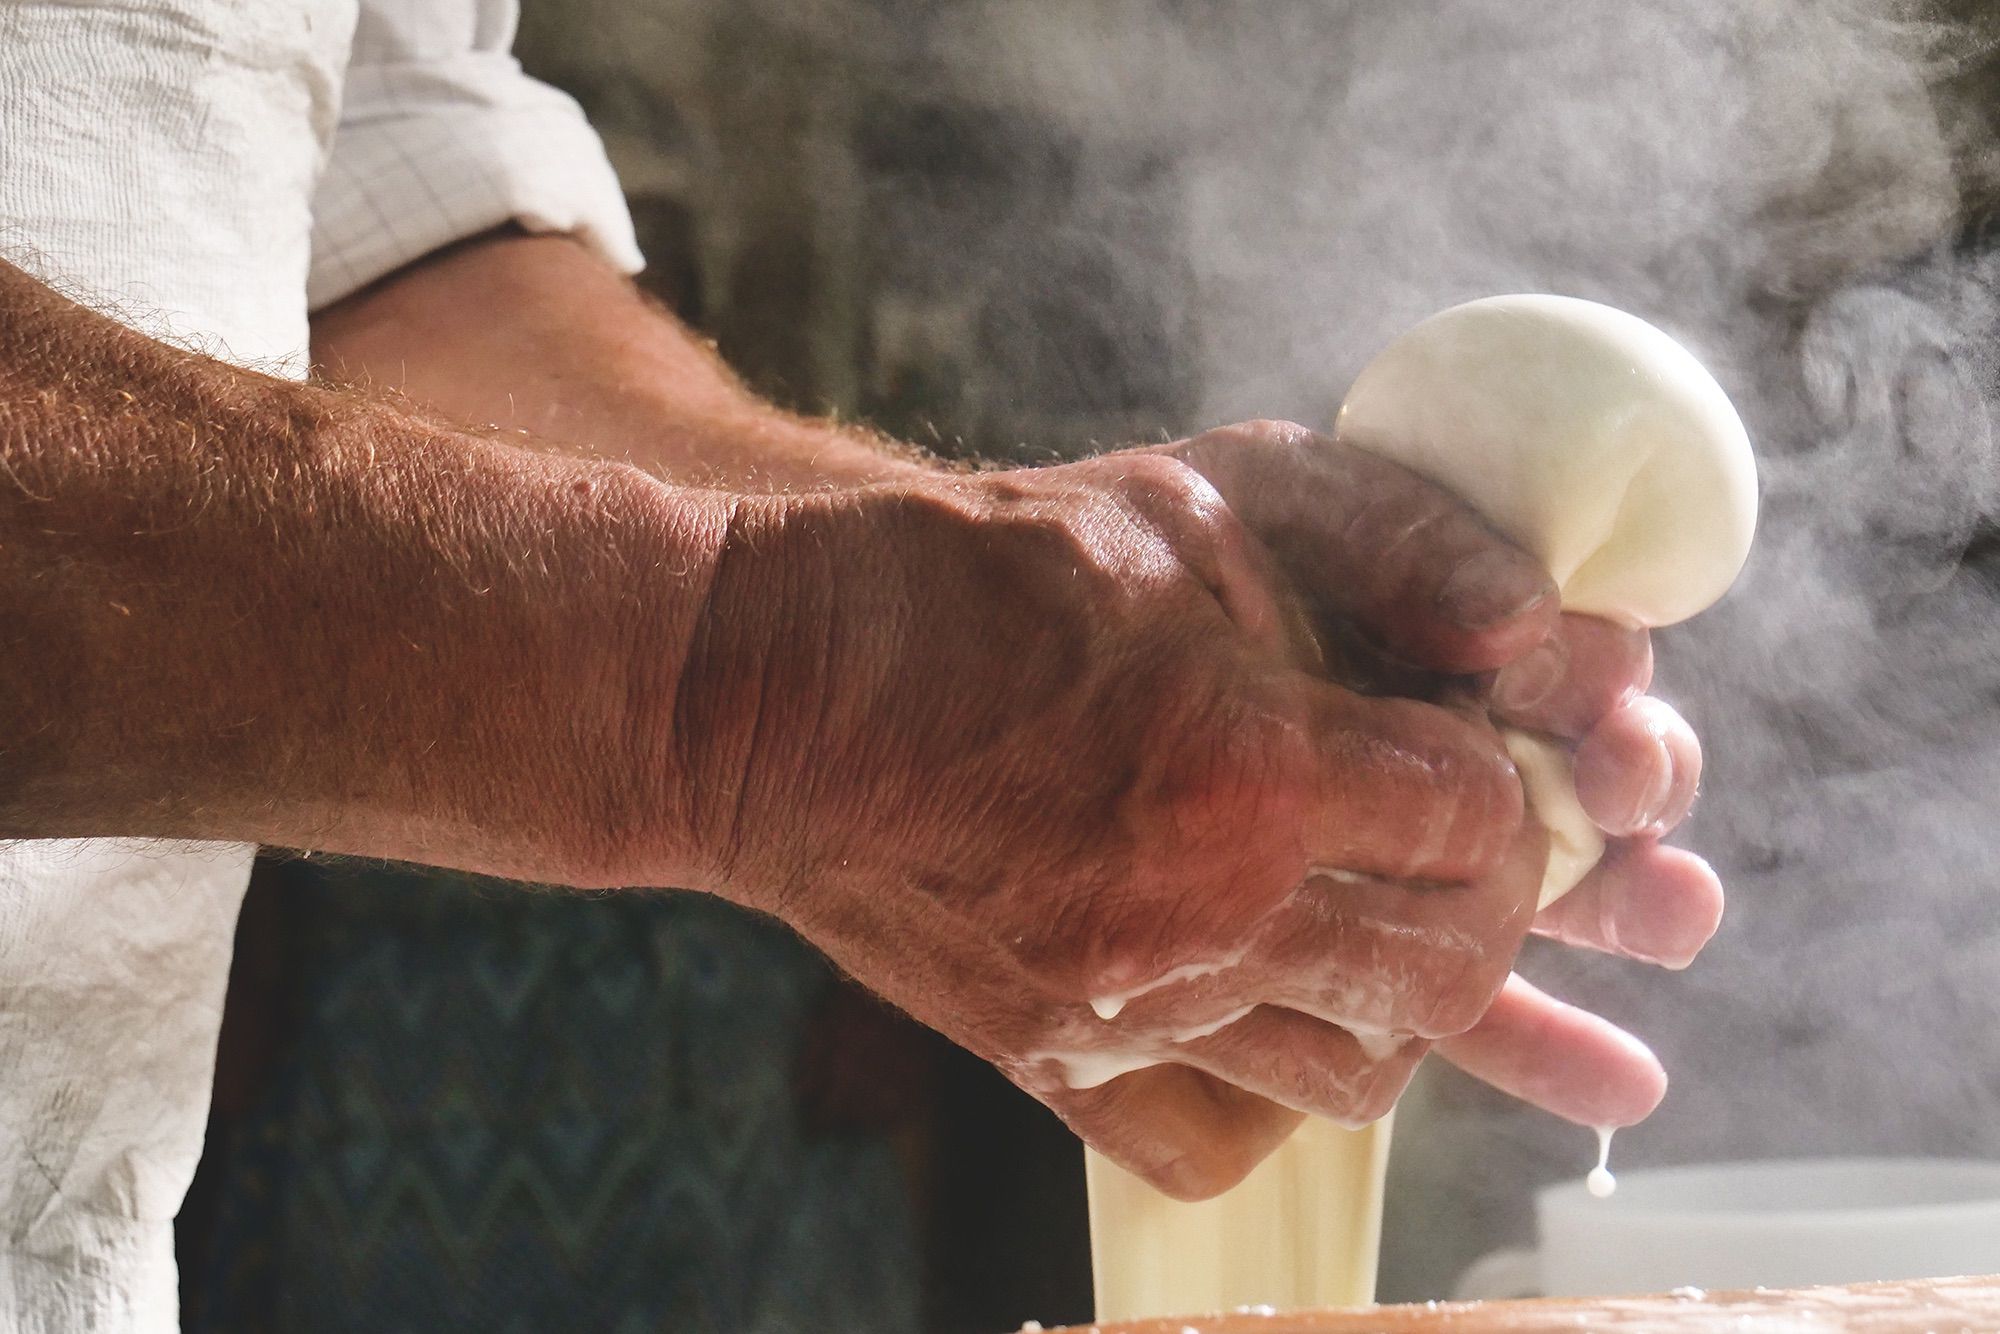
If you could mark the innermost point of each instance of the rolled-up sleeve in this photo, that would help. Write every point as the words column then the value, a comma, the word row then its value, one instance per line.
column 443, row 136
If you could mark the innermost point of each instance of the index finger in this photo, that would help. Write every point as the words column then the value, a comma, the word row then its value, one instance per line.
column 1406, row 790
column 1373, row 955
column 1584, row 669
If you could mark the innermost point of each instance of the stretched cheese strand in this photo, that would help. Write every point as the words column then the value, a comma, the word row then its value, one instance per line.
column 1596, row 442
column 1302, row 1229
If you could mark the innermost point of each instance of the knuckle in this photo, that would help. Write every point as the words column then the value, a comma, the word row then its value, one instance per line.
column 1309, row 1089
column 1149, row 519
column 1174, row 495
column 1454, row 783
column 1383, row 1090
column 1475, row 793
column 1473, row 984
column 1167, row 474
column 1262, row 449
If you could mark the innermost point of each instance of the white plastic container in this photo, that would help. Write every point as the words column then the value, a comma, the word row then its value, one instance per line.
column 1788, row 1223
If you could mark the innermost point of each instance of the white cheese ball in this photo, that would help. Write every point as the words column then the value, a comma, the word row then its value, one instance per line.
column 1595, row 442
column 1548, row 782
column 1589, row 437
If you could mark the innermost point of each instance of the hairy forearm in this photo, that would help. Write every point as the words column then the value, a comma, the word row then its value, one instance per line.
column 536, row 334
column 235, row 607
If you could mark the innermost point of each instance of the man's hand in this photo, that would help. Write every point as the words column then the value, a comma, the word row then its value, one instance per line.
column 1323, row 562
column 1583, row 681
column 1051, row 759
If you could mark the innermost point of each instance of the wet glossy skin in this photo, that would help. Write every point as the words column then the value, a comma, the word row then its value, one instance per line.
column 1099, row 694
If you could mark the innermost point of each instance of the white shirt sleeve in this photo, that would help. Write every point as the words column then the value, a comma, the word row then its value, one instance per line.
column 441, row 137
column 156, row 159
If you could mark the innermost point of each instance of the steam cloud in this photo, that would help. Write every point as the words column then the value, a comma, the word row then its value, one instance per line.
column 1784, row 187
column 1788, row 185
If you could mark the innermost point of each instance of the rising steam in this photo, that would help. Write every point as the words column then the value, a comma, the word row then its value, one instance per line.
column 1785, row 188
column 1243, row 202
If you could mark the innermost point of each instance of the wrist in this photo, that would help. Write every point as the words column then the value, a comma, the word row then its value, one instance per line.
column 566, row 632
column 792, row 705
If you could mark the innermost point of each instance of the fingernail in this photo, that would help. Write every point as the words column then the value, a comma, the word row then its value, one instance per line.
column 1652, row 803
column 1490, row 588
column 1636, row 931
column 1531, row 678
column 1637, row 772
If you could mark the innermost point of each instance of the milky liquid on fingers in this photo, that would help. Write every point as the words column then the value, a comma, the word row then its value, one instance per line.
column 1600, row 1182
column 1112, row 1003
column 1376, row 1044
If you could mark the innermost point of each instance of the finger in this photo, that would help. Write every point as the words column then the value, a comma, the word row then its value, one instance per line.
column 1242, row 575
column 1580, row 673
column 1187, row 1133
column 1643, row 901
column 1371, row 542
column 1307, row 1065
column 1405, row 789
column 1638, row 769
column 1561, row 1059
column 1372, row 955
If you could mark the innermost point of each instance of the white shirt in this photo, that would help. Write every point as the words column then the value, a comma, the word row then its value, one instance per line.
column 208, row 171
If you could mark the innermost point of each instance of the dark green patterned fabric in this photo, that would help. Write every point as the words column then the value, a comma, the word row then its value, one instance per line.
column 503, row 1110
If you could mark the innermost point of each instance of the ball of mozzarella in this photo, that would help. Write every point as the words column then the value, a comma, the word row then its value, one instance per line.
column 1595, row 442
column 1583, row 433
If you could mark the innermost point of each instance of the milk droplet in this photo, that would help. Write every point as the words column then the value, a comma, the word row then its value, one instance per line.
column 1112, row 1003
column 1375, row 1044
column 1600, row 1182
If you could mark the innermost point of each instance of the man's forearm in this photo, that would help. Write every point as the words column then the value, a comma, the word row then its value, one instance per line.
column 234, row 607
column 537, row 334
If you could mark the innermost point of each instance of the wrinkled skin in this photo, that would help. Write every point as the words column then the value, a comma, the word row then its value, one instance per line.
column 1014, row 742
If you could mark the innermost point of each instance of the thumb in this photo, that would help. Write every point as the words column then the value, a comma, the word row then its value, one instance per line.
column 1372, row 545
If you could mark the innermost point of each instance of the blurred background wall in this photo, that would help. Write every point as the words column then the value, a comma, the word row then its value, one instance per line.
column 874, row 222
column 1027, row 231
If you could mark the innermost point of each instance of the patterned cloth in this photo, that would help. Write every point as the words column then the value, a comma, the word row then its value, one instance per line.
column 502, row 1110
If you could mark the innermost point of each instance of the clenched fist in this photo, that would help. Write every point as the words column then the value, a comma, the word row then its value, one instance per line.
column 1089, row 768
